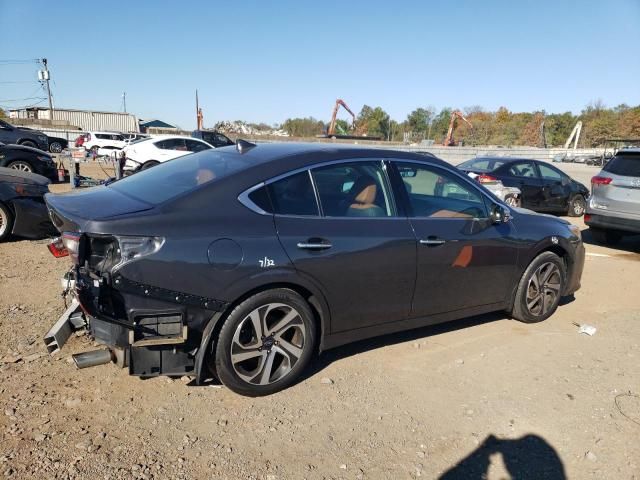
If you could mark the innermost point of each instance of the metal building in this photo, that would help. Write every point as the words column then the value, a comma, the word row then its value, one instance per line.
column 85, row 120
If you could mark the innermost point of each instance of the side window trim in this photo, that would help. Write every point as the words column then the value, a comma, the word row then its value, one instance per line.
column 487, row 201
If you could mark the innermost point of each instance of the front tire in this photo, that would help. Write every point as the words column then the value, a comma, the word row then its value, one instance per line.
column 149, row 164
column 6, row 222
column 265, row 343
column 540, row 289
column 577, row 206
column 55, row 147
column 29, row 143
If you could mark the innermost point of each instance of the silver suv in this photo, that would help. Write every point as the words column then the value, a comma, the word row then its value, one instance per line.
column 614, row 206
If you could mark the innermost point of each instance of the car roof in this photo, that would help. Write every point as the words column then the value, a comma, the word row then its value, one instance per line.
column 264, row 153
column 628, row 150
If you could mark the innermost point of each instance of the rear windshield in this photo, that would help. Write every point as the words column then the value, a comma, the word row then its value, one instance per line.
column 625, row 164
column 170, row 179
column 482, row 164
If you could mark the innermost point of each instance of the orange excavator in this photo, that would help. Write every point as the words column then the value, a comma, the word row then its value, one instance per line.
column 332, row 126
column 449, row 141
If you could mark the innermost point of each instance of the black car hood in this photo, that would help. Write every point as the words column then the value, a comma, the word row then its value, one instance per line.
column 16, row 176
column 97, row 203
column 25, row 149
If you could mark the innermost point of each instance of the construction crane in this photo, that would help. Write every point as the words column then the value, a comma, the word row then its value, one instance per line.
column 332, row 126
column 455, row 115
column 575, row 136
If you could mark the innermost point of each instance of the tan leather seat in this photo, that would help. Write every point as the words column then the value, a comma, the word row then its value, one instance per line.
column 365, row 191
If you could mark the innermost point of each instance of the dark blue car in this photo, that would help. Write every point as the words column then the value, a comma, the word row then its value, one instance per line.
column 544, row 188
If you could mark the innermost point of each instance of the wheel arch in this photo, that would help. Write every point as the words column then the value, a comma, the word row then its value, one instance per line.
column 312, row 296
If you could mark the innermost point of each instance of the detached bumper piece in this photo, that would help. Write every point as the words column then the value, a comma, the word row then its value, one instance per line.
column 71, row 320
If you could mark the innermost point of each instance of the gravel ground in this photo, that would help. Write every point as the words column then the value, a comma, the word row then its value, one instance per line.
column 485, row 397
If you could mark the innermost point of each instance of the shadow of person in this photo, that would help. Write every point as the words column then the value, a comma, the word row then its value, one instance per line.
column 528, row 457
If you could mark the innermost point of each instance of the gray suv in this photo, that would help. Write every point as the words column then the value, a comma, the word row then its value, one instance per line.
column 614, row 207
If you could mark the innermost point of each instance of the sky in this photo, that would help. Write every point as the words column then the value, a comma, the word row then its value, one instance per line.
column 266, row 61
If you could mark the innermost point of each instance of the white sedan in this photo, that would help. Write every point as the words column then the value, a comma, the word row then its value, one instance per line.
column 148, row 152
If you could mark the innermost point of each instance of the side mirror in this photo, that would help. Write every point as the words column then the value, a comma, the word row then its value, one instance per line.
column 499, row 214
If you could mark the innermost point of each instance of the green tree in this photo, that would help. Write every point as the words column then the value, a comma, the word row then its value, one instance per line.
column 303, row 127
column 418, row 120
column 374, row 122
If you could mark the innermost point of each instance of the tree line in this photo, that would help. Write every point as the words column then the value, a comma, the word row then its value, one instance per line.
column 501, row 127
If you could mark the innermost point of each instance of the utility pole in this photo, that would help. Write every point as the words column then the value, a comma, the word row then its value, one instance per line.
column 124, row 101
column 45, row 77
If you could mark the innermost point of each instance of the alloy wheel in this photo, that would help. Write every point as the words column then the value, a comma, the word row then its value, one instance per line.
column 22, row 166
column 511, row 201
column 578, row 206
column 55, row 147
column 4, row 222
column 543, row 289
column 268, row 343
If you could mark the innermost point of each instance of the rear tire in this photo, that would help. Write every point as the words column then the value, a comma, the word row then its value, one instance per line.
column 540, row 289
column 605, row 237
column 6, row 222
column 265, row 343
column 577, row 206
column 512, row 201
column 21, row 165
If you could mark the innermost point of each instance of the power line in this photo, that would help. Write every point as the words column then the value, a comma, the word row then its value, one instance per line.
column 18, row 81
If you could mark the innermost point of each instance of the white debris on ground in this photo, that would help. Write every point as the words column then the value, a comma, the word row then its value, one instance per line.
column 243, row 128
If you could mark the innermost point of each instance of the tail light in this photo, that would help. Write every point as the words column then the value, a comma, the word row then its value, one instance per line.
column 57, row 248
column 598, row 180
column 484, row 178
column 587, row 217
column 67, row 245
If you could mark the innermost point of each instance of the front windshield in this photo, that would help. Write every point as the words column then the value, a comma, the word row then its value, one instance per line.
column 168, row 180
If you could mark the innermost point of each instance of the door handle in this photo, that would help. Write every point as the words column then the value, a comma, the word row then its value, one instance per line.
column 314, row 245
column 432, row 241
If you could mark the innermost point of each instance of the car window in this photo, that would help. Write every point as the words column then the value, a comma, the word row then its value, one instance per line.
column 523, row 169
column 294, row 195
column 172, row 144
column 355, row 189
column 482, row 164
column 436, row 193
column 221, row 139
column 170, row 179
column 195, row 146
column 549, row 173
column 625, row 164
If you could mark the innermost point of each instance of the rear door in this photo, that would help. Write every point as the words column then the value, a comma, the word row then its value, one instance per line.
column 523, row 175
column 340, row 228
column 464, row 260
column 623, row 193
column 171, row 148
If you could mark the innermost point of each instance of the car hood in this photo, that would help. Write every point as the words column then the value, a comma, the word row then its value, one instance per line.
column 527, row 212
column 15, row 176
column 75, row 209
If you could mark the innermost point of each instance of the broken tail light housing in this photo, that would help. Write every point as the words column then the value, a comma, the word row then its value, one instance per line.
column 133, row 248
column 484, row 178
column 57, row 248
column 598, row 180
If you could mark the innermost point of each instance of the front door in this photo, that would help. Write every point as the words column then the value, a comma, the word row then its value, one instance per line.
column 464, row 260
column 351, row 243
column 555, row 188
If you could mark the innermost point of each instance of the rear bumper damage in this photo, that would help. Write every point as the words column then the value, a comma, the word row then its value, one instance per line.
column 150, row 330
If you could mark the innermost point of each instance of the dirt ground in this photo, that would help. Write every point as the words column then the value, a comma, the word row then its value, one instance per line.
column 485, row 397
